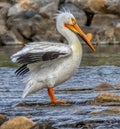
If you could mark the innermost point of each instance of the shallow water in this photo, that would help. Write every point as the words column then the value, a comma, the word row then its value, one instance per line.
column 76, row 111
column 78, row 90
column 104, row 55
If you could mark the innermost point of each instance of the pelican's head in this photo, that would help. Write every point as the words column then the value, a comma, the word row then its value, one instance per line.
column 66, row 21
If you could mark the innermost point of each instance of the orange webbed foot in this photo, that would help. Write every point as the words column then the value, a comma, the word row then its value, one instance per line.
column 53, row 98
column 59, row 101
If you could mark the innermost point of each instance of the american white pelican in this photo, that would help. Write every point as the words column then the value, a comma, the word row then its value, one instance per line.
column 51, row 64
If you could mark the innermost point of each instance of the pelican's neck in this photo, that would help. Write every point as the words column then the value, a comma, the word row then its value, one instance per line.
column 73, row 41
column 71, row 38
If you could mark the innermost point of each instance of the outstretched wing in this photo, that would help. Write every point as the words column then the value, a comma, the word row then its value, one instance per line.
column 40, row 52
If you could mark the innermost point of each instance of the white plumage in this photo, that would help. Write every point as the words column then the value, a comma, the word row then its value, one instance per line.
column 50, row 64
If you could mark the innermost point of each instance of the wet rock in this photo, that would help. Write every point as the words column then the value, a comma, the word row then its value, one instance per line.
column 104, row 86
column 104, row 6
column 78, row 13
column 19, row 122
column 111, row 111
column 108, row 98
column 3, row 118
column 43, row 126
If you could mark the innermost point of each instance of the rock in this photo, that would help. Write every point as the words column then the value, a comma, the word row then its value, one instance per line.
column 116, row 25
column 42, row 126
column 108, row 97
column 104, row 86
column 4, row 4
column 49, row 10
column 42, row 32
column 3, row 28
column 107, row 19
column 25, row 29
column 105, row 31
column 82, row 4
column 9, row 38
column 43, row 3
column 103, row 98
column 117, row 86
column 78, row 13
column 104, row 6
column 21, row 6
column 3, row 118
column 111, row 111
column 19, row 122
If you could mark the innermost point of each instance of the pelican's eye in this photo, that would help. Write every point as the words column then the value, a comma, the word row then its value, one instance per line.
column 73, row 21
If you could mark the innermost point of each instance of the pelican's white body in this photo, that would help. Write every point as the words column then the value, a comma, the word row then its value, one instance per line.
column 55, row 72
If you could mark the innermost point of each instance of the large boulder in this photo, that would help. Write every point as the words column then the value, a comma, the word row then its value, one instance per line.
column 107, row 29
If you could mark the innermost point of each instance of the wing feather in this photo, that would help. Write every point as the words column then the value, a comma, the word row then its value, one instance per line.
column 41, row 51
column 22, row 70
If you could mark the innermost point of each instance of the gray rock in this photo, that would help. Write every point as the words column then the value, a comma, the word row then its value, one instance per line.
column 45, row 30
column 102, row 20
column 25, row 30
column 3, row 28
column 82, row 4
column 116, row 25
column 49, row 10
column 21, row 6
column 104, row 6
column 108, row 29
column 9, row 38
column 4, row 4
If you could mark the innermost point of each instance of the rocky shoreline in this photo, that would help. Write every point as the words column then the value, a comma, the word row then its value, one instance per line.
column 23, row 21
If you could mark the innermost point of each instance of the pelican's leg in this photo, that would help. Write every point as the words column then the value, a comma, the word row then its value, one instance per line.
column 53, row 98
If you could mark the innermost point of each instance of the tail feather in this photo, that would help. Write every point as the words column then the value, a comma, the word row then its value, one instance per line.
column 32, row 87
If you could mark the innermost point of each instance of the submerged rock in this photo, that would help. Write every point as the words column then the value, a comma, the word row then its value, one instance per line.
column 104, row 86
column 19, row 122
column 105, row 99
column 111, row 111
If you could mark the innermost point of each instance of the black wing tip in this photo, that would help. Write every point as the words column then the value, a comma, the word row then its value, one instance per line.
column 22, row 70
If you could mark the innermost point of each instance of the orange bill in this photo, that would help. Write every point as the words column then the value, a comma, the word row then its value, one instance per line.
column 75, row 28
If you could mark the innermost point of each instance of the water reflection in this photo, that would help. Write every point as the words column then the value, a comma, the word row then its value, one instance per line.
column 105, row 55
